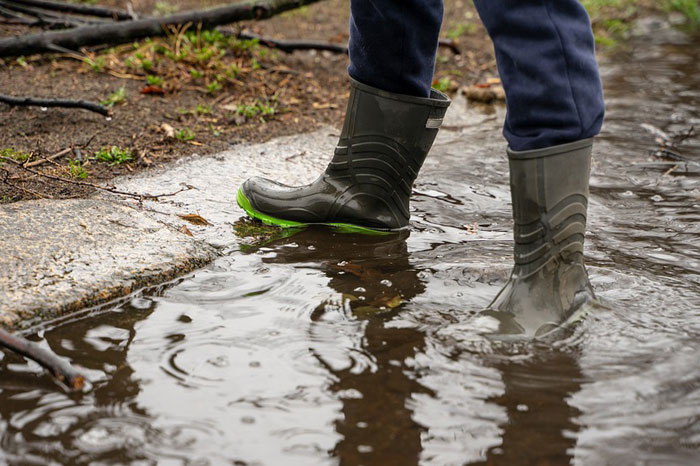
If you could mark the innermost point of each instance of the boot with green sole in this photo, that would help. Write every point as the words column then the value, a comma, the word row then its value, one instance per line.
column 549, row 287
column 367, row 185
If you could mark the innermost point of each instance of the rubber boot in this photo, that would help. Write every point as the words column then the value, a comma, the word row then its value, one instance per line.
column 367, row 185
column 549, row 285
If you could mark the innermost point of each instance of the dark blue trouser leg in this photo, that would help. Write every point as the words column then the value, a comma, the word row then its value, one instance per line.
column 544, row 49
column 546, row 59
column 393, row 44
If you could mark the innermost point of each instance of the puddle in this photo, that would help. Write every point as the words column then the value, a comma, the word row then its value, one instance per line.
column 322, row 348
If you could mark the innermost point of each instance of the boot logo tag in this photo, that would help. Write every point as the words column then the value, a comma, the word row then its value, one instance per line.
column 433, row 123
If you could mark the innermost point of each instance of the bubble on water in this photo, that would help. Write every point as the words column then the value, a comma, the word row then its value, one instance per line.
column 360, row 289
column 386, row 282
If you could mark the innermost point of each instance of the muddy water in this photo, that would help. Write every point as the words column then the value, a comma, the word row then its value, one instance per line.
column 322, row 348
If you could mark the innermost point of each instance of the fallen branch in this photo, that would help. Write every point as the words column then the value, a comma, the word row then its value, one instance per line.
column 124, row 32
column 14, row 15
column 16, row 18
column 138, row 196
column 289, row 46
column 87, row 10
column 60, row 369
column 45, row 16
column 63, row 103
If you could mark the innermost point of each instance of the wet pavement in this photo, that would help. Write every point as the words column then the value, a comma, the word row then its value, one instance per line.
column 61, row 256
column 325, row 348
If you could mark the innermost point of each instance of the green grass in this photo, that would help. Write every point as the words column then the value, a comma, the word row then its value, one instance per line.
column 184, row 134
column 154, row 80
column 259, row 108
column 13, row 154
column 460, row 29
column 96, row 64
column 613, row 19
column 114, row 155
column 116, row 97
column 164, row 8
column 213, row 87
column 442, row 84
column 688, row 8
column 77, row 170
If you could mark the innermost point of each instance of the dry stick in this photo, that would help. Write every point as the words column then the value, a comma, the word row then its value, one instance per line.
column 49, row 158
column 5, row 179
column 64, row 103
column 450, row 44
column 289, row 46
column 14, row 15
column 93, row 185
column 87, row 10
column 128, row 31
column 45, row 16
column 58, row 367
column 16, row 18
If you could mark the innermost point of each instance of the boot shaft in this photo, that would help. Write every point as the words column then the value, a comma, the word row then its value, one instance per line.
column 386, row 137
column 549, row 189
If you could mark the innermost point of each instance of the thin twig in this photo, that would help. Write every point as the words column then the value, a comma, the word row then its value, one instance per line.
column 60, row 369
column 58, row 154
column 289, row 46
column 64, row 103
column 450, row 44
column 6, row 180
column 138, row 196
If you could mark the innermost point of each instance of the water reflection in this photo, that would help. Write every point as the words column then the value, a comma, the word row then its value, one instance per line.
column 373, row 278
column 42, row 415
column 540, row 428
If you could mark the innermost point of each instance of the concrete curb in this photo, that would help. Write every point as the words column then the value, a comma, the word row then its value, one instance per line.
column 61, row 256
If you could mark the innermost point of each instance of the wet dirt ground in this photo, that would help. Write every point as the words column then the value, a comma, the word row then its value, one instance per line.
column 324, row 348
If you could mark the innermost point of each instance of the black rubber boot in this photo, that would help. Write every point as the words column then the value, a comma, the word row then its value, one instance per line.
column 368, row 183
column 549, row 285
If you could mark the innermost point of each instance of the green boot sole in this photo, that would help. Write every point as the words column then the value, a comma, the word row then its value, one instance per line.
column 244, row 204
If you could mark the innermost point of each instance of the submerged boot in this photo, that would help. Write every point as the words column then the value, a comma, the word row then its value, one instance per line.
column 367, row 185
column 549, row 284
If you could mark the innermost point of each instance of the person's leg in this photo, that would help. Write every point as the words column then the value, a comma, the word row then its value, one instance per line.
column 546, row 59
column 393, row 44
column 391, row 121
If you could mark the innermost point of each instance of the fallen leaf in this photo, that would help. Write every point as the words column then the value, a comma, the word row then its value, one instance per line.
column 156, row 90
column 484, row 94
column 168, row 130
column 185, row 230
column 321, row 106
column 195, row 219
